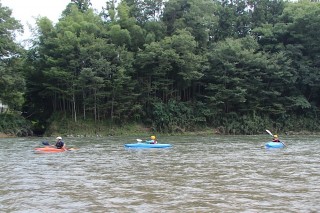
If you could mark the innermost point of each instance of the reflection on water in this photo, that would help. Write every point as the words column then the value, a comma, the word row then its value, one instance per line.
column 198, row 174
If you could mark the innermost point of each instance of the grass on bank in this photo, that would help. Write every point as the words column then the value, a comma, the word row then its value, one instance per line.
column 60, row 125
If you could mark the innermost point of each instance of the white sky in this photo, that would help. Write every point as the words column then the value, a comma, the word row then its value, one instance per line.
column 27, row 10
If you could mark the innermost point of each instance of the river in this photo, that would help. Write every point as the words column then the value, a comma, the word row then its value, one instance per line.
column 198, row 174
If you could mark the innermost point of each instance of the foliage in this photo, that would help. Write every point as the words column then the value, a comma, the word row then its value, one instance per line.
column 177, row 65
column 11, row 123
column 176, row 116
column 8, row 27
column 196, row 16
column 59, row 124
column 11, row 79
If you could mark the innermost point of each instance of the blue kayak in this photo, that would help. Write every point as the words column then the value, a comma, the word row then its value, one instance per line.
column 274, row 145
column 147, row 145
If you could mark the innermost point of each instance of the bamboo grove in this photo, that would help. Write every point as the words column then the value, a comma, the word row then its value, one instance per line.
column 176, row 65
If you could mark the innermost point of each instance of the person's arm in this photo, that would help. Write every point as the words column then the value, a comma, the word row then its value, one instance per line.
column 64, row 147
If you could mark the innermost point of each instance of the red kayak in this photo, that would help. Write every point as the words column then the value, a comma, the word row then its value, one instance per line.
column 50, row 149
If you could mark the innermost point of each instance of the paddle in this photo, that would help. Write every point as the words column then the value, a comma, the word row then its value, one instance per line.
column 46, row 143
column 142, row 141
column 270, row 133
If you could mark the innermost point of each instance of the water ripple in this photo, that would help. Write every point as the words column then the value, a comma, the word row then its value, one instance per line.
column 198, row 174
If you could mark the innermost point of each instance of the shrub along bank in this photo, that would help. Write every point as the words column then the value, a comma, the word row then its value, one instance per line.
column 14, row 125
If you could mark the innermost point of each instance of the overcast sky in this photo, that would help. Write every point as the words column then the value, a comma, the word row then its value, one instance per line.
column 27, row 10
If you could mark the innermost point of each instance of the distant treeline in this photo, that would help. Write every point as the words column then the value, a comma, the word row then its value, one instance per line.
column 175, row 65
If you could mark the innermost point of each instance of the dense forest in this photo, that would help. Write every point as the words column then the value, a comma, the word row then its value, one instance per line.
column 170, row 65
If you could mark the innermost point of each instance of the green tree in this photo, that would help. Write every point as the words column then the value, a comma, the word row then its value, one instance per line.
column 295, row 35
column 84, row 67
column 234, row 20
column 169, row 70
column 11, row 72
column 196, row 16
column 145, row 10
column 61, row 54
column 83, row 5
column 243, row 80
column 177, row 64
column 265, row 12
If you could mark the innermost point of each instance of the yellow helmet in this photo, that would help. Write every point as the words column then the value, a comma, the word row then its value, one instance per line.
column 153, row 137
column 275, row 136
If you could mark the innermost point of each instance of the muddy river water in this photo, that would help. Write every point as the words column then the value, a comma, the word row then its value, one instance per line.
column 198, row 174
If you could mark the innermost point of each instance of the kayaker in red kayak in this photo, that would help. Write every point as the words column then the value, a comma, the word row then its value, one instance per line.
column 60, row 144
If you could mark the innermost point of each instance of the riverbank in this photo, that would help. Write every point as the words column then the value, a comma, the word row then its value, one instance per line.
column 3, row 135
column 66, row 127
column 145, row 133
column 89, row 128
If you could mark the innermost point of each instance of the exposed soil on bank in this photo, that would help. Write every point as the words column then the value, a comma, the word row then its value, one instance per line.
column 3, row 135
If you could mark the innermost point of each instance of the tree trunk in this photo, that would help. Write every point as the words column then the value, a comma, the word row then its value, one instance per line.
column 74, row 107
column 95, row 105
column 84, row 105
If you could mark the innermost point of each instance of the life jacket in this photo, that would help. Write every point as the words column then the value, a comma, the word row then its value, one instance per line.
column 151, row 141
column 59, row 144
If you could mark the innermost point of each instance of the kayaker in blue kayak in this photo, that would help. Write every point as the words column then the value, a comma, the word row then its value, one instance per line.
column 153, row 140
column 275, row 138
column 59, row 144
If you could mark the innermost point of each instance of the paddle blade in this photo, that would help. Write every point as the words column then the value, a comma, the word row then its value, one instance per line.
column 269, row 132
column 139, row 140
